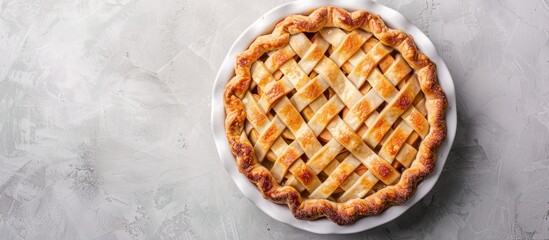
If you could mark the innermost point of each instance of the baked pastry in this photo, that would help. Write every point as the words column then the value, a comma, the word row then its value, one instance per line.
column 335, row 115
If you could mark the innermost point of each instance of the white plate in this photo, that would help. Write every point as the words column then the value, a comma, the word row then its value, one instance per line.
column 264, row 25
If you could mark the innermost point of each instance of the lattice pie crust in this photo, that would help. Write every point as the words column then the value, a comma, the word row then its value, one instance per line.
column 335, row 114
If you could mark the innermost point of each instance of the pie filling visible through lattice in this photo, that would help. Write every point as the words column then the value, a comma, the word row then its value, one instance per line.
column 335, row 115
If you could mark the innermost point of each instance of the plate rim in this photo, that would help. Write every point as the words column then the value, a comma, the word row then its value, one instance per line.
column 281, row 213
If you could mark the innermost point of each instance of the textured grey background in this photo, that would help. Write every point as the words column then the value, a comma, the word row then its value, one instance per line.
column 104, row 122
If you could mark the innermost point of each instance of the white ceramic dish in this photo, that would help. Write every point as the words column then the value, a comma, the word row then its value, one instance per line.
column 264, row 25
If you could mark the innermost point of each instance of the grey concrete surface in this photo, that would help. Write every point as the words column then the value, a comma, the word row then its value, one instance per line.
column 104, row 122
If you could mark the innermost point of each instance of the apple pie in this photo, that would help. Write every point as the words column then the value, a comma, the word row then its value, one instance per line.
column 335, row 115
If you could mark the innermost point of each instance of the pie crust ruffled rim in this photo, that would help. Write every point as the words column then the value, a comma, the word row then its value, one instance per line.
column 349, row 211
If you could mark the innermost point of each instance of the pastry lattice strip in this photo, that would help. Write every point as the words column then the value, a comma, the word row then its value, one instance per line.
column 326, row 64
column 383, row 89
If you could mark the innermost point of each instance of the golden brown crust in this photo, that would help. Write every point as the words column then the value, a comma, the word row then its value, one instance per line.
column 346, row 212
